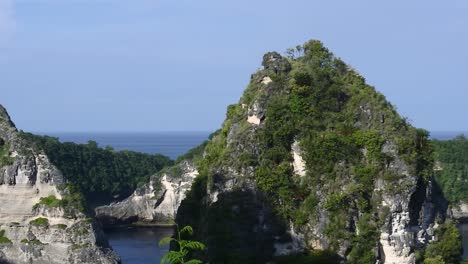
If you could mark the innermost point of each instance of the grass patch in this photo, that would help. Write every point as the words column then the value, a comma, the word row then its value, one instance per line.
column 3, row 239
column 49, row 201
column 79, row 246
column 32, row 242
column 40, row 222
column 61, row 226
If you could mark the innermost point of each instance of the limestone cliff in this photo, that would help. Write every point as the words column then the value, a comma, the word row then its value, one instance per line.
column 313, row 158
column 38, row 221
column 156, row 202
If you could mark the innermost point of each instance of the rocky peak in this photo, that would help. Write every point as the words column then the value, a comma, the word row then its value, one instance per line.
column 273, row 62
column 291, row 169
column 7, row 127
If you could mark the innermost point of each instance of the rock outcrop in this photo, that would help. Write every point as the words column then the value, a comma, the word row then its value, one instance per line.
column 33, row 230
column 460, row 212
column 156, row 202
column 312, row 158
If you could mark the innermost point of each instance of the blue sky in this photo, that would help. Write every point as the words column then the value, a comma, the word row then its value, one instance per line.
column 167, row 65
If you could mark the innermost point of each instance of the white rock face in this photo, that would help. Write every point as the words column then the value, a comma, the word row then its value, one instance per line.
column 298, row 162
column 460, row 211
column 254, row 115
column 396, row 246
column 16, row 212
column 254, row 120
column 266, row 80
column 28, row 176
column 148, row 204
column 175, row 193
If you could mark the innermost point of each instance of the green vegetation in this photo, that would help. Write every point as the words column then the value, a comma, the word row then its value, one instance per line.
column 61, row 226
column 100, row 174
column 185, row 247
column 49, row 201
column 3, row 238
column 452, row 168
column 79, row 246
column 350, row 137
column 40, row 222
column 32, row 242
column 448, row 247
column 5, row 158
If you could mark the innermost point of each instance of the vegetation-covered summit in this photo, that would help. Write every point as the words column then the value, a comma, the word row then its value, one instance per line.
column 365, row 165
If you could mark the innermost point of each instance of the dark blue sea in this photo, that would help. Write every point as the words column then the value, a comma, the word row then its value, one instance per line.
column 171, row 144
column 140, row 245
column 447, row 135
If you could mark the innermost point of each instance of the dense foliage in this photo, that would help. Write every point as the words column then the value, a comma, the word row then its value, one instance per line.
column 448, row 247
column 5, row 158
column 184, row 247
column 350, row 137
column 101, row 174
column 452, row 168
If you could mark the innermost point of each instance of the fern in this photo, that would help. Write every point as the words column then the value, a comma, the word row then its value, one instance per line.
column 185, row 246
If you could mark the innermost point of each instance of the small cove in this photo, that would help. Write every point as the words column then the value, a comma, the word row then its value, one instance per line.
column 138, row 245
column 464, row 232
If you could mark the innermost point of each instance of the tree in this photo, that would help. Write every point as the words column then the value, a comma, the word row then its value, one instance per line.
column 185, row 246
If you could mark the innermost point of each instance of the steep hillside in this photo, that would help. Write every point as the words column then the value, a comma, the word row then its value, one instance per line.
column 102, row 175
column 40, row 217
column 452, row 173
column 313, row 158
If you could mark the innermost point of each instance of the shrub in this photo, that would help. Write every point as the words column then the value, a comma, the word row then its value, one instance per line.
column 49, row 201
column 61, row 226
column 40, row 222
column 3, row 239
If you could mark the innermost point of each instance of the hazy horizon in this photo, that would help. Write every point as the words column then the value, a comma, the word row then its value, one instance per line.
column 176, row 65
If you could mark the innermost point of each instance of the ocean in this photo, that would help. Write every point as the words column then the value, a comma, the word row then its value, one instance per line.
column 446, row 135
column 171, row 144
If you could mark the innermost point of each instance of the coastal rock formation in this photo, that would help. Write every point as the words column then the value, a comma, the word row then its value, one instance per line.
column 460, row 212
column 39, row 222
column 313, row 158
column 156, row 202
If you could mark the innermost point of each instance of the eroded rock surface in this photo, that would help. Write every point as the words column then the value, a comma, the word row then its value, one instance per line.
column 156, row 202
column 61, row 235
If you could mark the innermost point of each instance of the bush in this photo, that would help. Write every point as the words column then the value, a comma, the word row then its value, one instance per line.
column 448, row 246
column 40, row 222
column 3, row 239
column 49, row 201
column 61, row 226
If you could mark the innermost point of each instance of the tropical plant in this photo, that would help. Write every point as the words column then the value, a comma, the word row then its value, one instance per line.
column 185, row 247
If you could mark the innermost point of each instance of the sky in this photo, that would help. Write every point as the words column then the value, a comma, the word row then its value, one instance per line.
column 175, row 65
